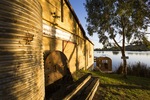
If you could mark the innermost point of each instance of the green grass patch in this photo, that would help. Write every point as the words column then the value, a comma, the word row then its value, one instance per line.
column 115, row 87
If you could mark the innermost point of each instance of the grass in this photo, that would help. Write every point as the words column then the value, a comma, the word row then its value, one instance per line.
column 115, row 87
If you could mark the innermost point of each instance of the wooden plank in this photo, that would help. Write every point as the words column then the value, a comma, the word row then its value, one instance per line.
column 89, row 89
column 66, row 92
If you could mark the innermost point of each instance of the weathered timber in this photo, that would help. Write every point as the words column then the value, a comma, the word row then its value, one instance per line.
column 82, row 89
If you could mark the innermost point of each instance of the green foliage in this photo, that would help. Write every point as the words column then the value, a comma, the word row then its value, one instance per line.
column 110, row 18
column 117, row 18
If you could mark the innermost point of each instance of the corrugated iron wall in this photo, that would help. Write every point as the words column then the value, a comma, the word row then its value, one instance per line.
column 21, row 61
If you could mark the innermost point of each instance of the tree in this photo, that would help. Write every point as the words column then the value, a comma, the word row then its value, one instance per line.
column 146, row 42
column 111, row 19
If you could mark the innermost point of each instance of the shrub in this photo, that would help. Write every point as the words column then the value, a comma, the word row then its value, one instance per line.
column 138, row 69
column 119, row 69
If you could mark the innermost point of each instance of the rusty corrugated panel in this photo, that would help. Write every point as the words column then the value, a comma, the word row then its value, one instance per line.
column 21, row 64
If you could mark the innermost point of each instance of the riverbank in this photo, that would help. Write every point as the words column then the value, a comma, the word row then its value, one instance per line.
column 115, row 87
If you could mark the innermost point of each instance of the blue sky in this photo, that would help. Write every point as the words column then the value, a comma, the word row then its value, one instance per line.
column 81, row 14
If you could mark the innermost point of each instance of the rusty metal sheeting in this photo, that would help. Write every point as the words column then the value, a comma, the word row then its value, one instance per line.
column 21, row 64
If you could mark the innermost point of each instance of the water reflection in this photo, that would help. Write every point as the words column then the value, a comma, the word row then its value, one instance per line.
column 99, row 51
column 139, row 53
column 134, row 57
column 115, row 52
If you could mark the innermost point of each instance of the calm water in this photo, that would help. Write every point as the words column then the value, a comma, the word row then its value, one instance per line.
column 134, row 57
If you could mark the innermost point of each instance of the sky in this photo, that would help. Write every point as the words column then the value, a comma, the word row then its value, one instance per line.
column 81, row 14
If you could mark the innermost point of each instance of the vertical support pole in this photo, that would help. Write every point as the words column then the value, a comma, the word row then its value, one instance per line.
column 62, row 11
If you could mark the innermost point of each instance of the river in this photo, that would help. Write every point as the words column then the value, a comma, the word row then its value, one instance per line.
column 134, row 57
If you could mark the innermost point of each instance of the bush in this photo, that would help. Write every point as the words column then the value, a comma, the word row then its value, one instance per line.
column 138, row 69
column 119, row 69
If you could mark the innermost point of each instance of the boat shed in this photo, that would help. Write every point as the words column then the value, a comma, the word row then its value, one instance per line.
column 31, row 33
column 104, row 64
column 62, row 31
